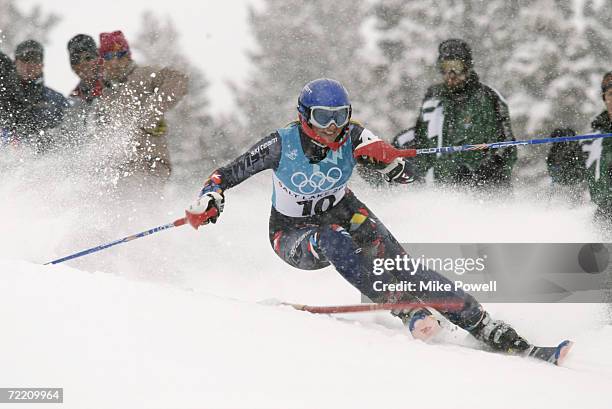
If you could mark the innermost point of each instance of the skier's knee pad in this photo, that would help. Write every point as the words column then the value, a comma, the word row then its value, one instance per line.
column 296, row 248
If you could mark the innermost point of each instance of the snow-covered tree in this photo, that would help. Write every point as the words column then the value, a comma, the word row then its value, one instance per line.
column 298, row 41
column 17, row 25
column 403, row 62
column 550, row 72
column 594, row 31
column 545, row 56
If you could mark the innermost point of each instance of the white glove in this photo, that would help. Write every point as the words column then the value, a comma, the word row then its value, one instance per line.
column 201, row 211
column 398, row 171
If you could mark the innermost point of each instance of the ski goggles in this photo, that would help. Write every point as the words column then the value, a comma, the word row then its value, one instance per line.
column 455, row 66
column 112, row 55
column 322, row 117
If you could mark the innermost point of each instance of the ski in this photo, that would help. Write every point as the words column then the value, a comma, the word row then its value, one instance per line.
column 555, row 354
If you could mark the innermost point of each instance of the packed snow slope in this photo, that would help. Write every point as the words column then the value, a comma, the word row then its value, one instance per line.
column 174, row 320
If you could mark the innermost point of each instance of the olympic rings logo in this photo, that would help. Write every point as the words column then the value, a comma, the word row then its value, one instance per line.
column 317, row 181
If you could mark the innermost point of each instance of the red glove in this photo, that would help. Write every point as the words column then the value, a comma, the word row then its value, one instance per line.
column 385, row 159
column 206, row 209
column 381, row 151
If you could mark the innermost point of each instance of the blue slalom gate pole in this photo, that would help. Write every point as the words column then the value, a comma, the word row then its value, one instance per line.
column 176, row 223
column 386, row 153
column 504, row 144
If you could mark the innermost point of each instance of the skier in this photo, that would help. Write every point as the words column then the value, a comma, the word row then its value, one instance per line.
column 316, row 220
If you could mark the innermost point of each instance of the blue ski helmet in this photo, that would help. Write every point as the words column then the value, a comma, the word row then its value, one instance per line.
column 322, row 92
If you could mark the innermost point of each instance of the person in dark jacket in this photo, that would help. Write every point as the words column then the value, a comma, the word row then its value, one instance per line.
column 599, row 159
column 8, row 103
column 79, row 119
column 566, row 160
column 462, row 110
column 87, row 65
column 566, row 164
column 40, row 108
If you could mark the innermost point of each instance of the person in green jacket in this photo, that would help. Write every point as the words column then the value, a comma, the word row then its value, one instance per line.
column 462, row 110
column 599, row 159
column 566, row 161
column 566, row 164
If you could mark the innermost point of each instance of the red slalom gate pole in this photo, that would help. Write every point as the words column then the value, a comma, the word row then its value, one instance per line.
column 341, row 309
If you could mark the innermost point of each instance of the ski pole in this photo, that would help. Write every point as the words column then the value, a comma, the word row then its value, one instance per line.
column 386, row 153
column 341, row 309
column 178, row 222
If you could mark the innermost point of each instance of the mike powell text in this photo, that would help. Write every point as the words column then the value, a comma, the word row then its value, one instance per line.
column 435, row 286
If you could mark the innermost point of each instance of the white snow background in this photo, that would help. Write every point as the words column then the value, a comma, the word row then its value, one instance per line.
column 173, row 320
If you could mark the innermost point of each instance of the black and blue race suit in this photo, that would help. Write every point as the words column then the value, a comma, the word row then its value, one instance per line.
column 316, row 220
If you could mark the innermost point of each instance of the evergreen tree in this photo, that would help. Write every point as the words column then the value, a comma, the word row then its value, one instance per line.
column 546, row 76
column 545, row 56
column 297, row 42
column 17, row 25
column 404, row 60
column 594, row 36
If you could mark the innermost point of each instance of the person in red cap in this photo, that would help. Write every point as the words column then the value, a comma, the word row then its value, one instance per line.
column 117, row 58
column 137, row 97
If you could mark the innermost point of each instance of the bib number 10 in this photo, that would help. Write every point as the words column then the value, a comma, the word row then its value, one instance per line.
column 318, row 206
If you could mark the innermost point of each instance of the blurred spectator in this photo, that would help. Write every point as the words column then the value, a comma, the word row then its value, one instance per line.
column 599, row 160
column 40, row 108
column 458, row 111
column 566, row 163
column 87, row 65
column 8, row 91
column 79, row 120
column 566, row 160
column 137, row 97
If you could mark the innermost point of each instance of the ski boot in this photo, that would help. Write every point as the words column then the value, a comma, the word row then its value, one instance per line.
column 499, row 336
column 420, row 322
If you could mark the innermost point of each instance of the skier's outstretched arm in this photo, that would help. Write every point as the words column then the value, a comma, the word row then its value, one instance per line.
column 265, row 154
